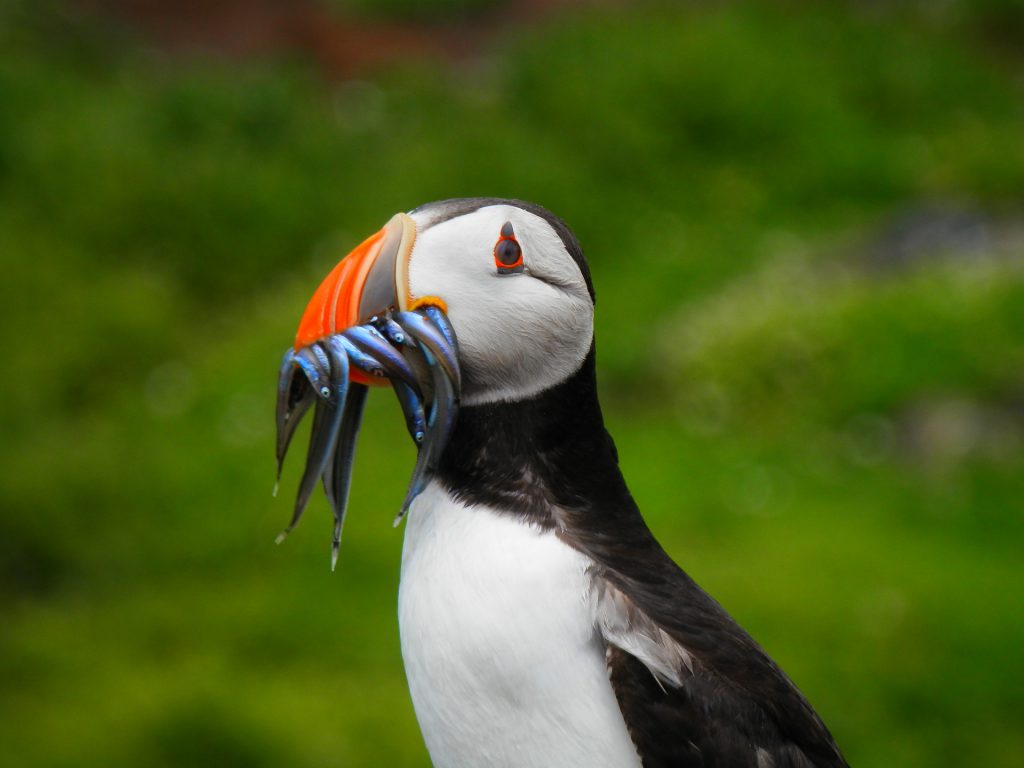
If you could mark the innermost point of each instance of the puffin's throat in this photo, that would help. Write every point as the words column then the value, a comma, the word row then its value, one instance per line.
column 534, row 455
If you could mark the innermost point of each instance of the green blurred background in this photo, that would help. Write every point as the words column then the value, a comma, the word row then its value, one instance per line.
column 806, row 227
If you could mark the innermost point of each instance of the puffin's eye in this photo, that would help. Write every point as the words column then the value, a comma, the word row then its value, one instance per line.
column 508, row 256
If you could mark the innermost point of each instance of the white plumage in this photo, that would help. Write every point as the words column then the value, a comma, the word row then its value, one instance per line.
column 505, row 664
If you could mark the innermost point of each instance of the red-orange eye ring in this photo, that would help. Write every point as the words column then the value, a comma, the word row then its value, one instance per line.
column 508, row 255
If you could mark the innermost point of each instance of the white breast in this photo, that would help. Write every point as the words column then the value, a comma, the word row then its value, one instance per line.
column 504, row 663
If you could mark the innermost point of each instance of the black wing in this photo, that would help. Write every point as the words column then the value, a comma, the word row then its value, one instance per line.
column 730, row 704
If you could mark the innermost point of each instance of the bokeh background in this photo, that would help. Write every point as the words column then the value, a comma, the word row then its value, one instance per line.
column 806, row 227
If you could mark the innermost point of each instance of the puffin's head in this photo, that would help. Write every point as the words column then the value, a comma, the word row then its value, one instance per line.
column 479, row 300
column 509, row 275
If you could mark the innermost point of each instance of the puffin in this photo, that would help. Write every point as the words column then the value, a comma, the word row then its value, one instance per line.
column 541, row 622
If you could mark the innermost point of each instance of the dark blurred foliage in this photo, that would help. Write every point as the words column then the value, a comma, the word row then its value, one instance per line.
column 806, row 228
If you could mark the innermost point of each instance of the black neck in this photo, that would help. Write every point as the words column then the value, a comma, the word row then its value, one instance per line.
column 550, row 450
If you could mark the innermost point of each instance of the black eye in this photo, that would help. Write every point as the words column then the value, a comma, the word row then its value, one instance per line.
column 508, row 252
column 508, row 255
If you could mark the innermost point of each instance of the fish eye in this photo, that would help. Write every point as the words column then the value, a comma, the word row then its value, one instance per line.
column 508, row 255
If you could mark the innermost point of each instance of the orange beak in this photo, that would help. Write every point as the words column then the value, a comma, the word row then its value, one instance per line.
column 371, row 280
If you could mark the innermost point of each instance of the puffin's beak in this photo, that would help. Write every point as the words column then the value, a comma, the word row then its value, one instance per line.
column 363, row 327
column 371, row 281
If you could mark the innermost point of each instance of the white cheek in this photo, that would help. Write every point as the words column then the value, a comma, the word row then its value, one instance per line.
column 518, row 347
column 518, row 335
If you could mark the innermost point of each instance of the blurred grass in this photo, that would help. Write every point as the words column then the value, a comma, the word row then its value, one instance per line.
column 833, row 449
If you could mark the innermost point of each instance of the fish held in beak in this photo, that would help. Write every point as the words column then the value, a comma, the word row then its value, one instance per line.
column 362, row 329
